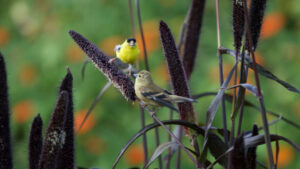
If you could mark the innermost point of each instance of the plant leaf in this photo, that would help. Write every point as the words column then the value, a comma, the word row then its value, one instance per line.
column 261, row 70
column 159, row 150
column 259, row 140
column 216, row 145
column 228, row 97
column 210, row 114
column 249, row 87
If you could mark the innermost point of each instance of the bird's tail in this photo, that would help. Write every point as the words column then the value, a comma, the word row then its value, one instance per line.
column 180, row 99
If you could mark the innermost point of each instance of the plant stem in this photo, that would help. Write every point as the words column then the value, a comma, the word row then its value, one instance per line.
column 137, row 2
column 221, row 73
column 169, row 155
column 178, row 158
column 153, row 115
column 142, row 112
column 244, row 76
column 160, row 165
column 259, row 95
column 131, row 18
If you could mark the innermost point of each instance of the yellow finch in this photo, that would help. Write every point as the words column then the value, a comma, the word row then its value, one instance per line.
column 152, row 95
column 128, row 52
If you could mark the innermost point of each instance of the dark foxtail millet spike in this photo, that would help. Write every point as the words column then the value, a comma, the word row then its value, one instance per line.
column 5, row 153
column 251, row 154
column 176, row 71
column 118, row 78
column 55, row 134
column 256, row 15
column 238, row 22
column 35, row 142
column 192, row 35
column 66, row 158
column 238, row 154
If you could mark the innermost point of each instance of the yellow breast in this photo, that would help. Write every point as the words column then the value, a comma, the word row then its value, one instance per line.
column 128, row 54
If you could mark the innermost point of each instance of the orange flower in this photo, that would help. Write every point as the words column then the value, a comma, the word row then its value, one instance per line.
column 107, row 45
column 23, row 110
column 272, row 24
column 213, row 74
column 296, row 108
column 259, row 58
column 74, row 54
column 151, row 36
column 89, row 123
column 135, row 155
column 167, row 3
column 28, row 75
column 4, row 36
column 162, row 73
column 94, row 145
column 285, row 157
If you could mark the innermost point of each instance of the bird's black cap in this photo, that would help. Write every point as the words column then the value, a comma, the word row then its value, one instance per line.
column 131, row 39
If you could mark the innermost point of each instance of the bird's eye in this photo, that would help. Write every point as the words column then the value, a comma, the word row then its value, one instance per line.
column 140, row 75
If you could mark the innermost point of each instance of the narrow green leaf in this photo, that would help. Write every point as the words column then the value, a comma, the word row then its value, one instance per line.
column 259, row 140
column 159, row 150
column 261, row 70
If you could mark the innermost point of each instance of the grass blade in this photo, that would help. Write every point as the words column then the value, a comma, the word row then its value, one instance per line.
column 158, row 151
column 259, row 140
column 221, row 156
column 249, row 87
column 261, row 70
column 211, row 112
column 216, row 146
column 104, row 89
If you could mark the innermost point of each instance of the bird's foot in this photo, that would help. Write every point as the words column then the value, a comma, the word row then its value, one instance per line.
column 130, row 70
column 111, row 60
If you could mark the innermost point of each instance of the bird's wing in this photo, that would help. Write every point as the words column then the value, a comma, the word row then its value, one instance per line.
column 158, row 95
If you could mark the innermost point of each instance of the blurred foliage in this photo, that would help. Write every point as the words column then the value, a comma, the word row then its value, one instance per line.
column 35, row 42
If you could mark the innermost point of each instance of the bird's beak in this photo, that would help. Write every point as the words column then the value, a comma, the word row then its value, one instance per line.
column 132, row 43
column 135, row 75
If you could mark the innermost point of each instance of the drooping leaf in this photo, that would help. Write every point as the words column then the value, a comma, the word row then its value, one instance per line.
column 103, row 90
column 158, row 151
column 261, row 70
column 259, row 140
column 249, row 104
column 216, row 145
column 249, row 87
column 211, row 112
column 220, row 157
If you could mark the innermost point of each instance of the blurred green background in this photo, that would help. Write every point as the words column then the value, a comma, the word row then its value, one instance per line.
column 35, row 42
